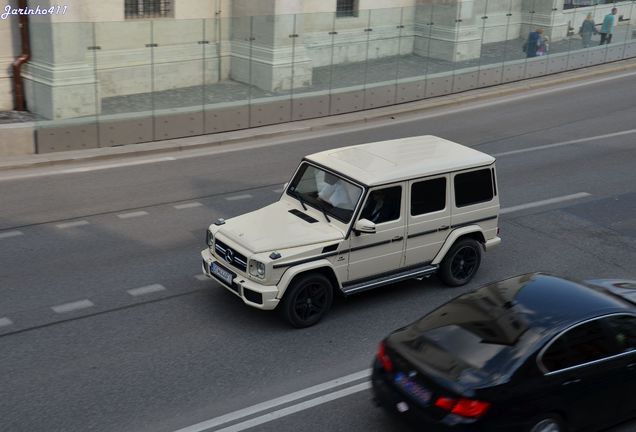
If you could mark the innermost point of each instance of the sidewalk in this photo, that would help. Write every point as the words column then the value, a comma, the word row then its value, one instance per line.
column 285, row 129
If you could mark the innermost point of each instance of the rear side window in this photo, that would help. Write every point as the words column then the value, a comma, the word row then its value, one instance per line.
column 428, row 196
column 623, row 331
column 473, row 187
column 583, row 344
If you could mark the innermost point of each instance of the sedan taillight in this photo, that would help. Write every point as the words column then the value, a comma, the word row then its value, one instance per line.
column 464, row 407
column 384, row 359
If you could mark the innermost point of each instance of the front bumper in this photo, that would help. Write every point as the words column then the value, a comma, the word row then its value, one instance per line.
column 492, row 243
column 241, row 286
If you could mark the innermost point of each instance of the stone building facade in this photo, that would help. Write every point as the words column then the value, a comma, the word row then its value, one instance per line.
column 110, row 48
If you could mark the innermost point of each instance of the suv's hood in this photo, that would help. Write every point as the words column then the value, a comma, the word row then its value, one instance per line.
column 275, row 228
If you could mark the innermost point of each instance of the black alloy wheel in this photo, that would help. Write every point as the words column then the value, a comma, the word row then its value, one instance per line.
column 461, row 262
column 307, row 300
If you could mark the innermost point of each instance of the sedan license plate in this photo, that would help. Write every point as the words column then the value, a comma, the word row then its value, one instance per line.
column 221, row 273
column 413, row 389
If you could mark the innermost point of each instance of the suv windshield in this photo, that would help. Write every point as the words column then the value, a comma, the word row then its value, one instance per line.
column 325, row 191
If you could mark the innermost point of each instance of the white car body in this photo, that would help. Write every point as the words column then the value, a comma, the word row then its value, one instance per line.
column 290, row 238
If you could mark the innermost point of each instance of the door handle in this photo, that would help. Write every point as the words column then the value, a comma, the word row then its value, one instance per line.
column 574, row 381
column 443, row 228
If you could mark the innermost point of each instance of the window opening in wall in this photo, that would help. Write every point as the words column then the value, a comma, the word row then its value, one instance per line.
column 147, row 8
column 346, row 8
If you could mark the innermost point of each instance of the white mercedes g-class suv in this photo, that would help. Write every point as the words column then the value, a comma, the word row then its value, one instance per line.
column 356, row 218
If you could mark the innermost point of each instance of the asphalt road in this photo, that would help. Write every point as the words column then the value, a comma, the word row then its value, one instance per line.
column 104, row 325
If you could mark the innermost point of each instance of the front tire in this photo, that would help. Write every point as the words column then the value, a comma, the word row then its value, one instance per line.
column 307, row 300
column 549, row 423
column 461, row 262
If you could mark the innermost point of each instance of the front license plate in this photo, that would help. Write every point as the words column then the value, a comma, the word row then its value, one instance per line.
column 221, row 273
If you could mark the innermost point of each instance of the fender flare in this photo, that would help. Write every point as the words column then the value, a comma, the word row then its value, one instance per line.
column 294, row 271
column 452, row 238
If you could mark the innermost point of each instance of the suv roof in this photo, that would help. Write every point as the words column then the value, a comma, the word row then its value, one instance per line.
column 401, row 159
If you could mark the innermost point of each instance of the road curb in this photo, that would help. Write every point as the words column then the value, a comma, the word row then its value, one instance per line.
column 286, row 129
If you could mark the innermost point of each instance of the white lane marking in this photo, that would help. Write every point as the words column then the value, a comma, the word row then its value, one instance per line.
column 132, row 215
column 188, row 205
column 296, row 408
column 69, row 307
column 564, row 143
column 544, row 202
column 201, row 277
column 8, row 234
column 114, row 165
column 239, row 197
column 72, row 224
column 5, row 322
column 245, row 412
column 146, row 290
column 50, row 172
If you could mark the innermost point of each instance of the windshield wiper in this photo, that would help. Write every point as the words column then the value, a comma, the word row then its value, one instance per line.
column 324, row 212
column 299, row 197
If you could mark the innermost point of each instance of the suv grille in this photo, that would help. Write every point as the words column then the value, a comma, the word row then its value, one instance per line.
column 230, row 256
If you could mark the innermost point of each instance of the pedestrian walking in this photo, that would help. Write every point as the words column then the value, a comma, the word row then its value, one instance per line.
column 588, row 28
column 534, row 41
column 607, row 29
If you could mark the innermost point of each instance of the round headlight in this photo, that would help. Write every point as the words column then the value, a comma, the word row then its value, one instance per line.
column 209, row 238
column 257, row 269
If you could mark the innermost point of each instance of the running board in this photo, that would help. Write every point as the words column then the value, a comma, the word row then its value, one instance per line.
column 386, row 280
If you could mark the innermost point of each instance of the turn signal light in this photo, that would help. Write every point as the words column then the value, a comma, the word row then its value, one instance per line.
column 384, row 359
column 469, row 408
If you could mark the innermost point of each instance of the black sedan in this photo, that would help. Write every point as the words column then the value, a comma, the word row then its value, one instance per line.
column 534, row 353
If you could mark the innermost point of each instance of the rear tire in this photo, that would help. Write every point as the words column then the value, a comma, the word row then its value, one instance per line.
column 461, row 262
column 548, row 423
column 307, row 300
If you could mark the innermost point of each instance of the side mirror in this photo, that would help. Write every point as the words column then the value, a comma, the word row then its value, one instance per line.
column 364, row 226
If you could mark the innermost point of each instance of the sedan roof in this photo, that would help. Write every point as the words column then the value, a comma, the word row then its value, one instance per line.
column 483, row 334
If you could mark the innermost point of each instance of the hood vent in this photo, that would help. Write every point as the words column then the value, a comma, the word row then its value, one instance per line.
column 303, row 216
column 330, row 248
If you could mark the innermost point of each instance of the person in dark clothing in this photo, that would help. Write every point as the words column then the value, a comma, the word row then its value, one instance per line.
column 382, row 206
column 534, row 41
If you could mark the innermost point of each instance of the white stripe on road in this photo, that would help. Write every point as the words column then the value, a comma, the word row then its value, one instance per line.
column 72, row 224
column 50, row 172
column 201, row 277
column 5, row 322
column 245, row 412
column 239, row 197
column 132, row 215
column 564, row 143
column 9, row 234
column 188, row 205
column 115, row 165
column 544, row 202
column 296, row 408
column 69, row 307
column 146, row 290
